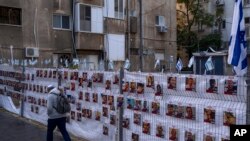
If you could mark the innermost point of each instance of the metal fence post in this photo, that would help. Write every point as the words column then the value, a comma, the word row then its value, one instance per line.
column 22, row 99
column 247, row 102
column 59, row 74
column 120, row 109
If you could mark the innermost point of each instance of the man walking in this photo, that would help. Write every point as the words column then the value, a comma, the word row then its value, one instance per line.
column 55, row 119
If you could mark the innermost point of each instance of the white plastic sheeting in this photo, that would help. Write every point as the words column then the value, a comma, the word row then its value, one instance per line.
column 7, row 104
column 198, row 98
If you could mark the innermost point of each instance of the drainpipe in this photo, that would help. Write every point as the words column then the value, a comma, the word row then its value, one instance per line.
column 128, row 30
column 141, row 45
column 74, row 53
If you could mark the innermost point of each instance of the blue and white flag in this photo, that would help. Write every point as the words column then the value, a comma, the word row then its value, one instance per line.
column 179, row 65
column 157, row 63
column 191, row 62
column 209, row 64
column 237, row 53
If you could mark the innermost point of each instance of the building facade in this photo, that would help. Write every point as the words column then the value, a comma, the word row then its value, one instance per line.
column 222, row 10
column 94, row 31
column 223, row 21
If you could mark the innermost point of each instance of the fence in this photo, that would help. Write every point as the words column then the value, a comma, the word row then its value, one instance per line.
column 154, row 106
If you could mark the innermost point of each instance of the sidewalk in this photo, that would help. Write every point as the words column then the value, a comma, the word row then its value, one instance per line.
column 15, row 128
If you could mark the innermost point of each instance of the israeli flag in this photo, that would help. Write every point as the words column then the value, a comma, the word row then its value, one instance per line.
column 191, row 62
column 157, row 63
column 237, row 53
column 179, row 65
column 209, row 64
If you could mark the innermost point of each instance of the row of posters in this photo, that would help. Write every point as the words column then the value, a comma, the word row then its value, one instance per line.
column 230, row 85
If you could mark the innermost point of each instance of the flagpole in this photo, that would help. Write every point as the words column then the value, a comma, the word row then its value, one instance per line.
column 170, row 68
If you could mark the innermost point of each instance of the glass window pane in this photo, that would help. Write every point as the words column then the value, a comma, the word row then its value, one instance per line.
column 4, row 18
column 56, row 4
column 88, row 13
column 120, row 9
column 161, row 20
column 85, row 18
column 247, row 20
column 116, row 5
column 56, row 21
column 65, row 22
column 121, row 6
column 82, row 12
column 10, row 15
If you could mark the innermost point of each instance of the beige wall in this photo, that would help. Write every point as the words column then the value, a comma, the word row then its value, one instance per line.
column 37, row 29
column 152, row 39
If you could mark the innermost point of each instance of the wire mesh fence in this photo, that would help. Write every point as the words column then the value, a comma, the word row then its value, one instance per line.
column 157, row 106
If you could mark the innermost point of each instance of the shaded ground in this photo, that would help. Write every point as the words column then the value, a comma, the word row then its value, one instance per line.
column 15, row 128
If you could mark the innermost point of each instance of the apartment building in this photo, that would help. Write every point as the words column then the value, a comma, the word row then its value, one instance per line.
column 223, row 17
column 93, row 31
column 223, row 21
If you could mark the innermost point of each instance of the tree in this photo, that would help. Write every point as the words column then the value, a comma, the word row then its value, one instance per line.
column 191, row 14
column 210, row 40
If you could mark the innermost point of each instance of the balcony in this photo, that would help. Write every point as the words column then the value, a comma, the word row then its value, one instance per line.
column 114, row 26
column 89, row 41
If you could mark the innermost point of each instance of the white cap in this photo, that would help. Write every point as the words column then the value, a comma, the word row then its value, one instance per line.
column 55, row 91
column 50, row 87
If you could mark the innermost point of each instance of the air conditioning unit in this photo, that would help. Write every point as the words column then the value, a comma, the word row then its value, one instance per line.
column 220, row 2
column 31, row 52
column 161, row 29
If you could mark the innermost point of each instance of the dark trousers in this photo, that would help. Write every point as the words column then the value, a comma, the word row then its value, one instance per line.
column 61, row 124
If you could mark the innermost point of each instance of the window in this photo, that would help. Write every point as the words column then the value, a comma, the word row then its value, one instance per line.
column 223, row 24
column 247, row 20
column 247, row 29
column 160, row 20
column 56, row 4
column 89, row 18
column 248, row 46
column 61, row 21
column 134, row 51
column 246, row 2
column 159, row 56
column 10, row 15
column 114, row 9
column 119, row 9
column 85, row 18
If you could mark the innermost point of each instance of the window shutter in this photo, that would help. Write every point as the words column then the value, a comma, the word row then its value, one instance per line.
column 96, row 20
